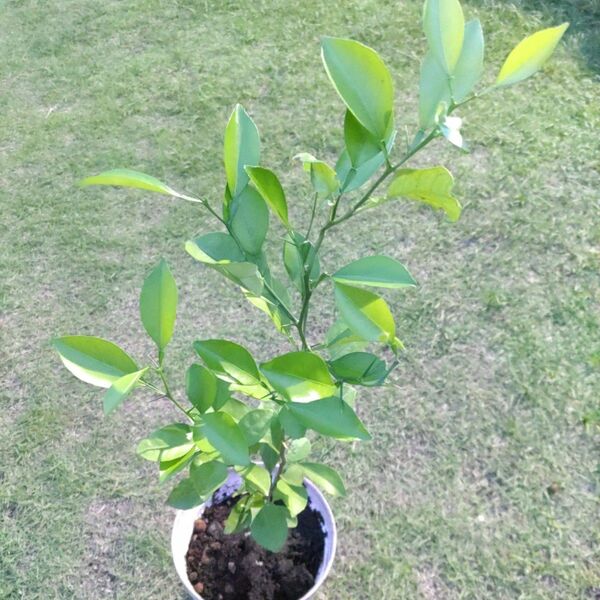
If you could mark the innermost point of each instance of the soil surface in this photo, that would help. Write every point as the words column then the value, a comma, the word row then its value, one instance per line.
column 235, row 567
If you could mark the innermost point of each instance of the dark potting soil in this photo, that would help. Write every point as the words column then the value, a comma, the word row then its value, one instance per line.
column 235, row 567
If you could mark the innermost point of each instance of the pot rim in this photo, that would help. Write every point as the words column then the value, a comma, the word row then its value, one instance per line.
column 184, row 520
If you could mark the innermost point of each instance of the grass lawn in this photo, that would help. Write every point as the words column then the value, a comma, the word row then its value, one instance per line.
column 483, row 478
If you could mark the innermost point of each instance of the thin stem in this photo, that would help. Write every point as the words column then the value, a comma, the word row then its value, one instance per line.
column 312, row 215
column 168, row 394
column 282, row 462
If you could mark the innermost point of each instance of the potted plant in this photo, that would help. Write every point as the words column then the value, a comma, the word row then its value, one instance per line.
column 252, row 522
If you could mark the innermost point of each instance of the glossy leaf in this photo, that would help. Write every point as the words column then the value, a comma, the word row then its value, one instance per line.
column 120, row 389
column 270, row 189
column 250, row 222
column 169, row 468
column 167, row 443
column 444, row 24
column 351, row 178
column 322, row 177
column 299, row 376
column 215, row 248
column 377, row 271
column 325, row 477
column 255, row 424
column 129, row 178
column 208, row 477
column 360, row 368
column 299, row 450
column 529, row 55
column 229, row 361
column 158, row 304
column 292, row 427
column 298, row 252
column 241, row 148
column 226, row 436
column 200, row 387
column 294, row 497
column 363, row 82
column 341, row 340
column 331, row 417
column 258, row 478
column 362, row 146
column 269, row 527
column 184, row 495
column 432, row 186
column 94, row 360
column 469, row 67
column 365, row 313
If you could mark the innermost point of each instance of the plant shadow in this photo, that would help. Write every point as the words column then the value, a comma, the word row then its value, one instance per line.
column 584, row 17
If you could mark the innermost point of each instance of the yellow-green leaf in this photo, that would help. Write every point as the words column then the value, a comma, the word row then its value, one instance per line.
column 120, row 389
column 529, row 55
column 432, row 186
column 270, row 189
column 129, row 178
column 365, row 313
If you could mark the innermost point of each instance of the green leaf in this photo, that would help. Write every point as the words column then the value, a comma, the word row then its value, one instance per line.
column 258, row 478
column 293, row 427
column 365, row 313
column 120, row 389
column 229, row 361
column 444, row 25
column 184, row 495
column 270, row 189
column 94, row 360
column 363, row 82
column 200, row 387
column 241, row 148
column 299, row 449
column 208, row 477
column 331, row 417
column 298, row 252
column 158, row 304
column 269, row 456
column 129, row 178
column 325, row 477
column 529, row 55
column 236, row 408
column 361, row 368
column 294, row 497
column 215, row 248
column 432, row 186
column 225, row 435
column 300, row 376
column 341, row 340
column 322, row 177
column 377, row 271
column 269, row 527
column 293, row 474
column 352, row 177
column 168, row 468
column 167, row 443
column 250, row 221
column 239, row 517
column 469, row 67
column 434, row 89
column 255, row 424
column 362, row 146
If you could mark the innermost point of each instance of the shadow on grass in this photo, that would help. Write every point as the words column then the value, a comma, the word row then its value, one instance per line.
column 584, row 16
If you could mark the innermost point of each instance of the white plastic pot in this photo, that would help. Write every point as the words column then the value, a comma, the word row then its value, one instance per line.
column 183, row 528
